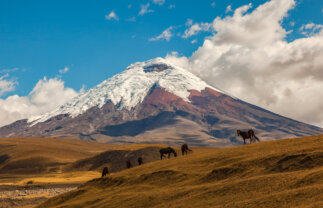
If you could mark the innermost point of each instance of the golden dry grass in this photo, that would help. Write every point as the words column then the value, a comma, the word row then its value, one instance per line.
column 47, row 160
column 284, row 173
column 41, row 159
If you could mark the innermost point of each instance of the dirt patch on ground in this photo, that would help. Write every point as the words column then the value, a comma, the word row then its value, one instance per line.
column 30, row 196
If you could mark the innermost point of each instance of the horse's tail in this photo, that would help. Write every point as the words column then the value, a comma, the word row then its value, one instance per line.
column 256, row 138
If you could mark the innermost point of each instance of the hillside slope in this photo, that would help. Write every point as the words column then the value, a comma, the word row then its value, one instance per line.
column 284, row 173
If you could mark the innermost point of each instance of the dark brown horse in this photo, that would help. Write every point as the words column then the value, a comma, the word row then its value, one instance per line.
column 168, row 151
column 105, row 171
column 129, row 164
column 140, row 160
column 248, row 135
column 185, row 149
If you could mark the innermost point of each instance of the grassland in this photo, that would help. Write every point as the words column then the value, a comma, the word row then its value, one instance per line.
column 284, row 173
column 34, row 169
column 41, row 160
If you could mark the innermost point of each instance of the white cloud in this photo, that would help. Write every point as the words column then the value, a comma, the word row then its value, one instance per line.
column 8, row 70
column 165, row 35
column 159, row 2
column 171, row 6
column 249, row 58
column 189, row 22
column 6, row 85
column 62, row 71
column 193, row 41
column 111, row 16
column 131, row 19
column 45, row 96
column 213, row 4
column 196, row 28
column 144, row 9
column 228, row 9
column 311, row 29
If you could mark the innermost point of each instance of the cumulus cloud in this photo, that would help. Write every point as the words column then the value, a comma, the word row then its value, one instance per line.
column 159, row 2
column 228, row 9
column 6, row 85
column 45, row 96
column 165, row 35
column 63, row 71
column 249, row 58
column 195, row 29
column 112, row 16
column 144, row 9
column 311, row 29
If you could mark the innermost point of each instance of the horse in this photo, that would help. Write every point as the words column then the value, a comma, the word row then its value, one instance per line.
column 105, row 171
column 248, row 135
column 140, row 160
column 129, row 164
column 168, row 151
column 185, row 149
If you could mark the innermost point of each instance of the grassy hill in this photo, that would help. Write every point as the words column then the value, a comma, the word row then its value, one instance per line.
column 284, row 173
column 34, row 169
column 48, row 160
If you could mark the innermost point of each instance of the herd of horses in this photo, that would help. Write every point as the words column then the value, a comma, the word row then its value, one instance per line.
column 185, row 150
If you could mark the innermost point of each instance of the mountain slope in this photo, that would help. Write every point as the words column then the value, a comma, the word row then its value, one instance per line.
column 156, row 102
column 285, row 173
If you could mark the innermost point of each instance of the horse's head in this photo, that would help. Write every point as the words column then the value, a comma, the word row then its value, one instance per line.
column 238, row 132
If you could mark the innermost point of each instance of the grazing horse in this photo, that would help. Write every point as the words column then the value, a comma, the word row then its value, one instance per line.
column 168, row 151
column 105, row 171
column 140, row 160
column 248, row 135
column 129, row 164
column 185, row 149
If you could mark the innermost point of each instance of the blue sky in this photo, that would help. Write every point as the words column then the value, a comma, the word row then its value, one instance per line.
column 42, row 37
column 50, row 50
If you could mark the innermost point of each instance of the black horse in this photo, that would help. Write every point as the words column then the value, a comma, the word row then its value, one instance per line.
column 129, row 164
column 105, row 171
column 168, row 151
column 185, row 149
column 248, row 135
column 140, row 160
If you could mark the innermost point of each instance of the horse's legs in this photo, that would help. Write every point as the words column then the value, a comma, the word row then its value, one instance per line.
column 161, row 156
column 244, row 140
column 168, row 155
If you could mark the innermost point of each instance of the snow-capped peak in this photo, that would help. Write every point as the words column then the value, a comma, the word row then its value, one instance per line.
column 130, row 87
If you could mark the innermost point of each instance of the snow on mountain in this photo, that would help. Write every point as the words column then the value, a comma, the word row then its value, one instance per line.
column 129, row 88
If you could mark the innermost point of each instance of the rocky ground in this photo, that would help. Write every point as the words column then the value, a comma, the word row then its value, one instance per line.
column 30, row 196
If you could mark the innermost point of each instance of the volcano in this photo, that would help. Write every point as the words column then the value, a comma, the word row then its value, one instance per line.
column 157, row 102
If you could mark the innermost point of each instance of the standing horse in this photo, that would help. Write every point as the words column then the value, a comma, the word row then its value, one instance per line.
column 185, row 149
column 105, row 171
column 129, row 164
column 168, row 151
column 248, row 135
column 140, row 160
